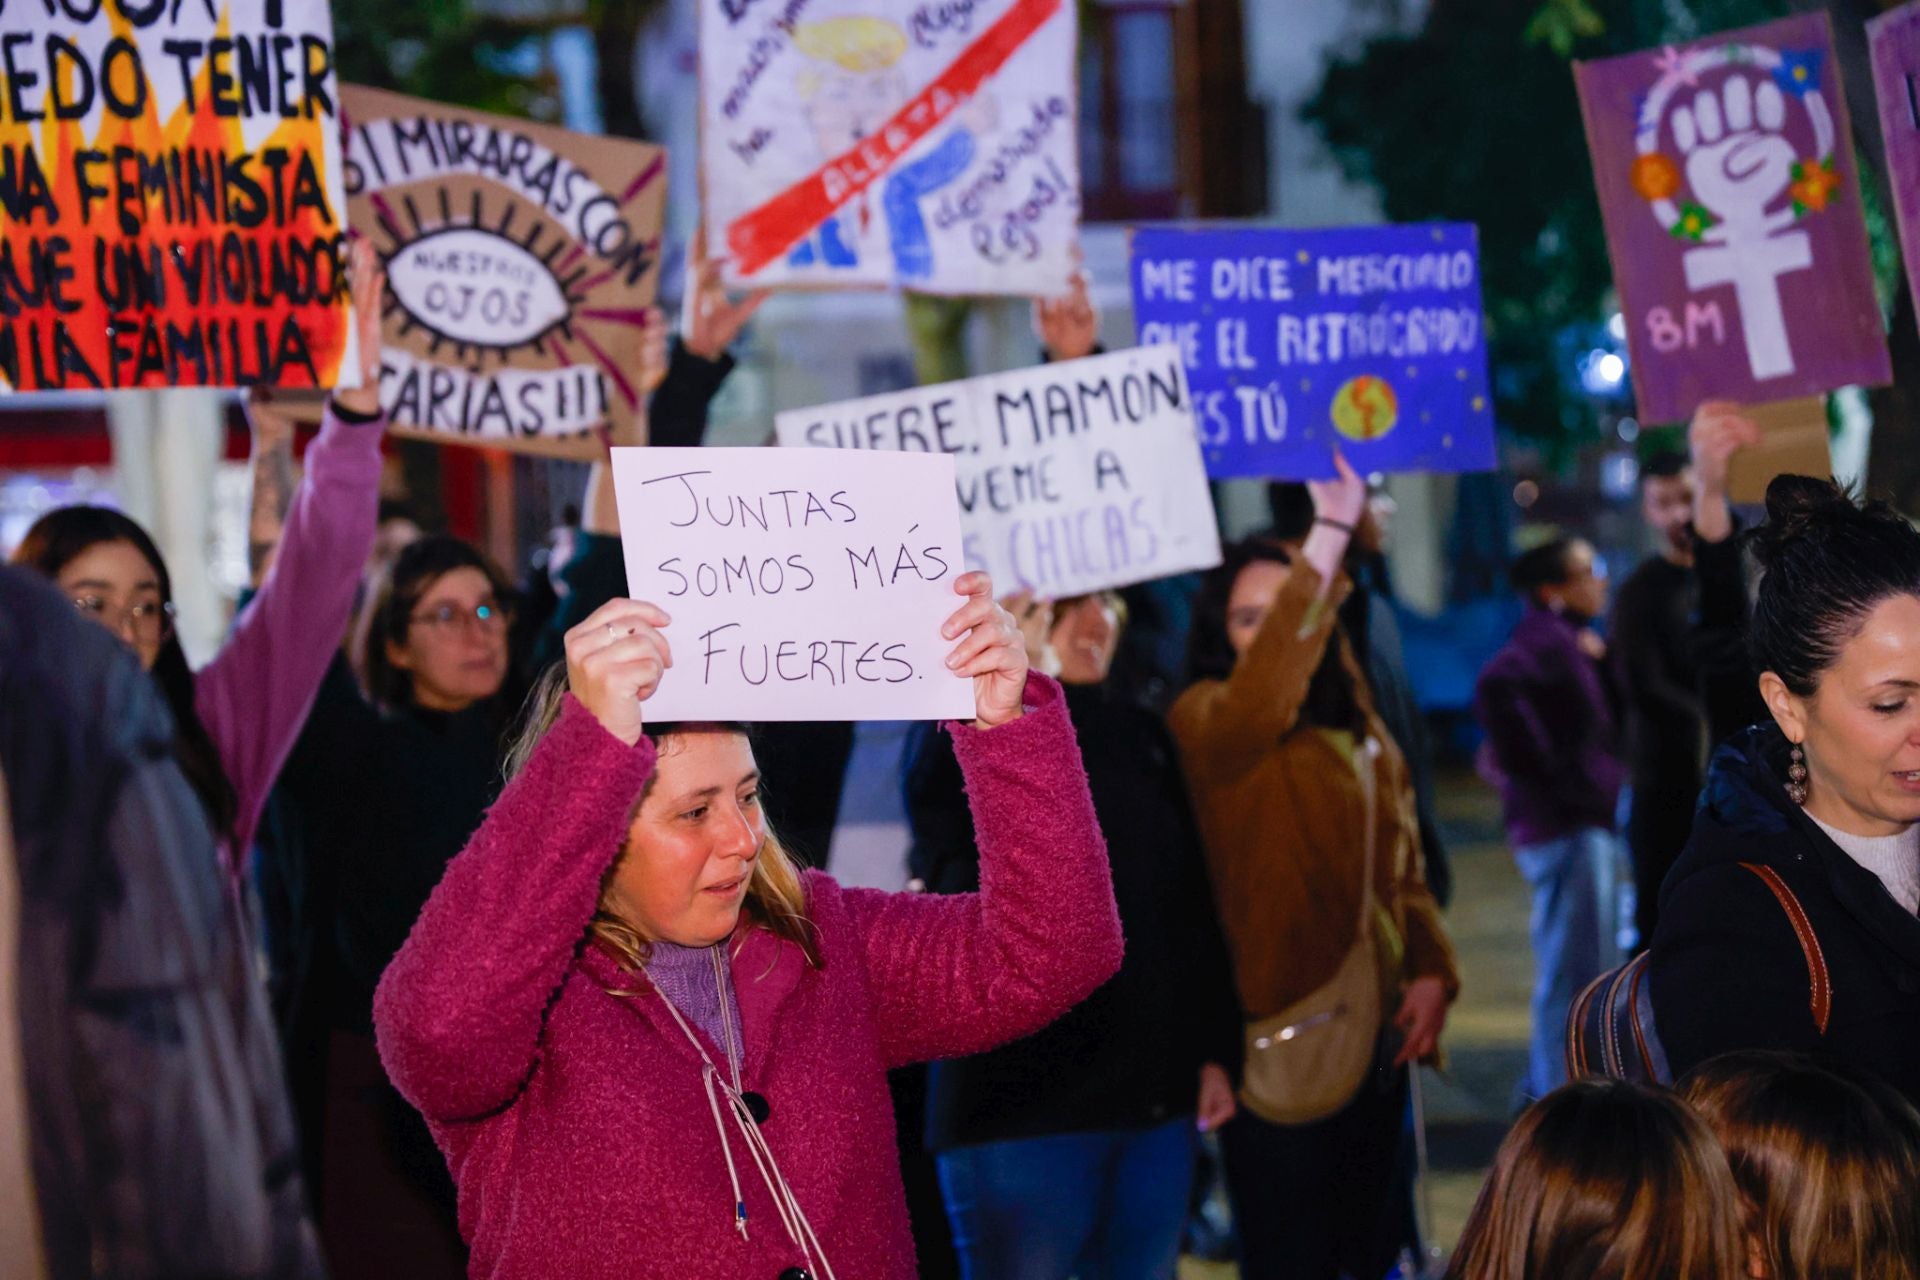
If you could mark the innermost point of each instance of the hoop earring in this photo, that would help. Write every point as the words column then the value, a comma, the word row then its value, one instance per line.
column 1797, row 776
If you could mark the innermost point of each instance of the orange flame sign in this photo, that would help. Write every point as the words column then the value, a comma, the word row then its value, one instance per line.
column 203, row 249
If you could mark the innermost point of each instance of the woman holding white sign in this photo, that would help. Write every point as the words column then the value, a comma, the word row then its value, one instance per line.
column 649, row 1045
column 1344, row 970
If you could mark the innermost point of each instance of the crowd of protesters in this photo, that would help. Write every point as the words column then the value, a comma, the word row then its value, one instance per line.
column 558, row 990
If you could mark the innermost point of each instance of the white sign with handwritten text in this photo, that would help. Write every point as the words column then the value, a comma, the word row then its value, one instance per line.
column 801, row 586
column 1072, row 477
column 932, row 144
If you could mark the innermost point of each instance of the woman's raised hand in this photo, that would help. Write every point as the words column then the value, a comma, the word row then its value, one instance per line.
column 709, row 318
column 989, row 650
column 366, row 283
column 615, row 659
column 1719, row 430
column 1338, row 505
column 1342, row 499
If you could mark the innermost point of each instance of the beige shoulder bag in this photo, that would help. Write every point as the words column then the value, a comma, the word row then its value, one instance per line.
column 1310, row 1059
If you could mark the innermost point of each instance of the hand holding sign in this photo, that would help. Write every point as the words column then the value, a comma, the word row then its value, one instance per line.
column 991, row 652
column 804, row 585
column 1719, row 430
column 710, row 319
column 1338, row 505
column 1067, row 326
column 367, row 284
column 615, row 659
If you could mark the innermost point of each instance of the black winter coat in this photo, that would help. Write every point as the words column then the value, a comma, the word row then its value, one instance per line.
column 1727, row 970
column 1130, row 1055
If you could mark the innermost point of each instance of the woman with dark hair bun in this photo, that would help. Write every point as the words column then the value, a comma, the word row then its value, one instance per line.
column 1790, row 921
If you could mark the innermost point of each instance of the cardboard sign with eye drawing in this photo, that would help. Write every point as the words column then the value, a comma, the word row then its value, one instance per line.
column 520, row 263
column 1732, row 208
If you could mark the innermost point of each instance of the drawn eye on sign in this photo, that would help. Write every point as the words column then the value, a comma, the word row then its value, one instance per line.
column 477, row 289
column 521, row 264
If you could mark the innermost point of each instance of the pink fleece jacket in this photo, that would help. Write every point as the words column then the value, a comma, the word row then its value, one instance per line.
column 254, row 696
column 576, row 1121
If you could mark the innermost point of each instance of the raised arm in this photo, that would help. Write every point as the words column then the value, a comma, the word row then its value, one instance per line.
column 710, row 321
column 255, row 693
column 270, row 467
column 460, row 1010
column 955, row 975
column 1225, row 725
column 597, row 572
column 1718, row 645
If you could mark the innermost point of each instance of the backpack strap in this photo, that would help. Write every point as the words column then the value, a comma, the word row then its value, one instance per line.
column 1610, row 1029
column 1820, row 986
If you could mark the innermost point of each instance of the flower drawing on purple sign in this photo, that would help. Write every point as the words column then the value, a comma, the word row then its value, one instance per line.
column 1740, row 185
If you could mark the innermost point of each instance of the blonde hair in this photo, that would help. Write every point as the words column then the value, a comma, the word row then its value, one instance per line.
column 1605, row 1180
column 776, row 899
column 855, row 44
column 1829, row 1166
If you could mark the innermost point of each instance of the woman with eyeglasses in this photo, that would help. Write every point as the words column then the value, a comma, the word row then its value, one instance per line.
column 237, row 717
column 394, row 771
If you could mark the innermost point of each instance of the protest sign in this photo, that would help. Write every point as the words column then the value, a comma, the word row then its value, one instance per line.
column 520, row 262
column 1072, row 477
column 1894, row 44
column 1794, row 441
column 871, row 142
column 1368, row 339
column 801, row 587
column 170, row 197
column 1727, row 185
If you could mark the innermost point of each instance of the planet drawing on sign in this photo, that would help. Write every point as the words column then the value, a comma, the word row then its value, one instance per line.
column 1365, row 408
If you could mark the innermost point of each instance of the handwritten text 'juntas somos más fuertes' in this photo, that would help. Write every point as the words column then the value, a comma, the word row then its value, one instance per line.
column 862, row 565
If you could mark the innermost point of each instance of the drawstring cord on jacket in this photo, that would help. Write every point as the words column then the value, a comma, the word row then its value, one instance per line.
column 799, row 1230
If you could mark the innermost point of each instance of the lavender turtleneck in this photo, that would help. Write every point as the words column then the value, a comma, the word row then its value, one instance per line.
column 684, row 975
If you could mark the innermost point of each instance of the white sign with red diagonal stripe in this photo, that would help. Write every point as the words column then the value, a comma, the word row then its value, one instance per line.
column 931, row 144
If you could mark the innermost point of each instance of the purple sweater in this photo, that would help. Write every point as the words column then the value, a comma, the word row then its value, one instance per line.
column 1552, row 745
column 254, row 696
column 575, row 1120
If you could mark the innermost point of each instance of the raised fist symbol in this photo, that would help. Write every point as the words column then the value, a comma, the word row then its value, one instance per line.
column 1737, row 161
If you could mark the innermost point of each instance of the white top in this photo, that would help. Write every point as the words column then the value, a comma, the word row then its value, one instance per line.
column 1895, row 859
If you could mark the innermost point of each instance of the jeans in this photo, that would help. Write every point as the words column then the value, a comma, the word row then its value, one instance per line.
column 1328, row 1199
column 1108, row 1205
column 1575, row 930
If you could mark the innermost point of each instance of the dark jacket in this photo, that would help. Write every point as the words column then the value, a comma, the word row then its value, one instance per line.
column 1727, row 971
column 380, row 802
column 1130, row 1056
column 1729, row 687
column 1552, row 745
column 161, row 1141
column 1659, row 684
column 1384, row 652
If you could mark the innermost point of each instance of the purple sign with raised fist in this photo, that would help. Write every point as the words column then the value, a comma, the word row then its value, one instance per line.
column 1895, row 41
column 1732, row 209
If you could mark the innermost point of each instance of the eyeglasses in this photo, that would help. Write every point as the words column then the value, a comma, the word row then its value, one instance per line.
column 487, row 616
column 150, row 621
